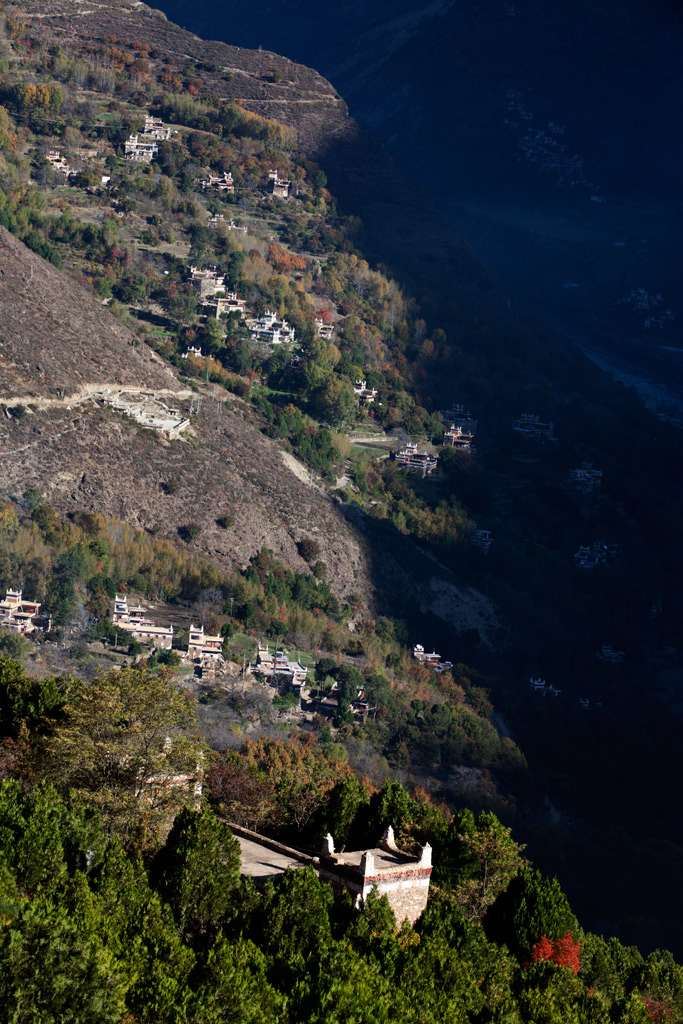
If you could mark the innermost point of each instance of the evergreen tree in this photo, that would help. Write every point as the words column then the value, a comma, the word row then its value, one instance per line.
column 197, row 872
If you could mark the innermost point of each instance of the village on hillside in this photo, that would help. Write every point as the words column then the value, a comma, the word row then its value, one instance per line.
column 256, row 291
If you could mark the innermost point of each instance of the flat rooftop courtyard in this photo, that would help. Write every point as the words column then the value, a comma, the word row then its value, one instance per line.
column 260, row 862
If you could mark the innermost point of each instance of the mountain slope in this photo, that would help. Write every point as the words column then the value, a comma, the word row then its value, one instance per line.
column 84, row 455
column 55, row 338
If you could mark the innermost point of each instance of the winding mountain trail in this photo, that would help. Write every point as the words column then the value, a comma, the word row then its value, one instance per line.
column 88, row 392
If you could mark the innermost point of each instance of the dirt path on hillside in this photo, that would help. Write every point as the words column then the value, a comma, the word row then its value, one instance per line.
column 91, row 391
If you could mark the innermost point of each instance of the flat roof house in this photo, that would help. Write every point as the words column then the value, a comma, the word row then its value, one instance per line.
column 402, row 878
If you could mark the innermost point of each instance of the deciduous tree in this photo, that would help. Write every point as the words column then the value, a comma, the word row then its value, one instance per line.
column 127, row 745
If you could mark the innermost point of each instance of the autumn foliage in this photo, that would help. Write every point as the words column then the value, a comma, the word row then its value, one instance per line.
column 659, row 1012
column 565, row 952
column 284, row 262
column 275, row 781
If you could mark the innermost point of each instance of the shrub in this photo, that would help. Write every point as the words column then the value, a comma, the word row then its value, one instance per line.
column 309, row 549
column 12, row 644
column 168, row 657
column 189, row 532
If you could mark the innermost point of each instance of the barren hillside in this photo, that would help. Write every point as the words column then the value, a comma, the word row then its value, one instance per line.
column 82, row 454
column 97, row 460
column 55, row 337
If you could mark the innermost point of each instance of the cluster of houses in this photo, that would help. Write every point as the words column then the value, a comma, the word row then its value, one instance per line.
column 544, row 149
column 482, row 539
column 155, row 129
column 456, row 437
column 202, row 647
column 278, row 186
column 270, row 329
column 529, row 425
column 586, row 479
column 143, row 147
column 431, row 660
column 410, row 458
column 59, row 163
column 206, row 280
column 586, row 704
column 135, row 620
column 18, row 615
column 540, row 686
column 328, row 703
column 280, row 669
column 458, row 416
column 607, row 653
column 218, row 220
column 543, row 146
column 219, row 183
column 364, row 394
column 220, row 304
column 591, row 555
column 140, row 150
column 210, row 284
column 324, row 329
column 359, row 707
column 642, row 301
column 460, row 428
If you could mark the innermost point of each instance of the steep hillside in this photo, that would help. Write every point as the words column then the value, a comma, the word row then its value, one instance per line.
column 56, row 338
column 400, row 222
column 378, row 288
column 83, row 455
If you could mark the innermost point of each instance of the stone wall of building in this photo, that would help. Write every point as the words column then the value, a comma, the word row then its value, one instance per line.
column 407, row 894
column 403, row 879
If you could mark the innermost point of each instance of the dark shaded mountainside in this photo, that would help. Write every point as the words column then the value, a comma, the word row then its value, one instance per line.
column 515, row 117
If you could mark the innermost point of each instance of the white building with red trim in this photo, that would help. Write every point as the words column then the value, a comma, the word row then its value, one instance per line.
column 135, row 620
column 21, row 616
column 219, row 183
column 403, row 879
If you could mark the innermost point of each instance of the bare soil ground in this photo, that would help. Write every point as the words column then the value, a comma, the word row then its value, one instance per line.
column 94, row 459
column 55, row 337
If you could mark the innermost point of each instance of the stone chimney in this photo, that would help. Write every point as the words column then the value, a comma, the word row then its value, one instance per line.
column 328, row 846
column 367, row 864
column 388, row 839
column 426, row 856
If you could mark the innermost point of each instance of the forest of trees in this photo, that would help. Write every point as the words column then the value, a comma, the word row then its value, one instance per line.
column 129, row 897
